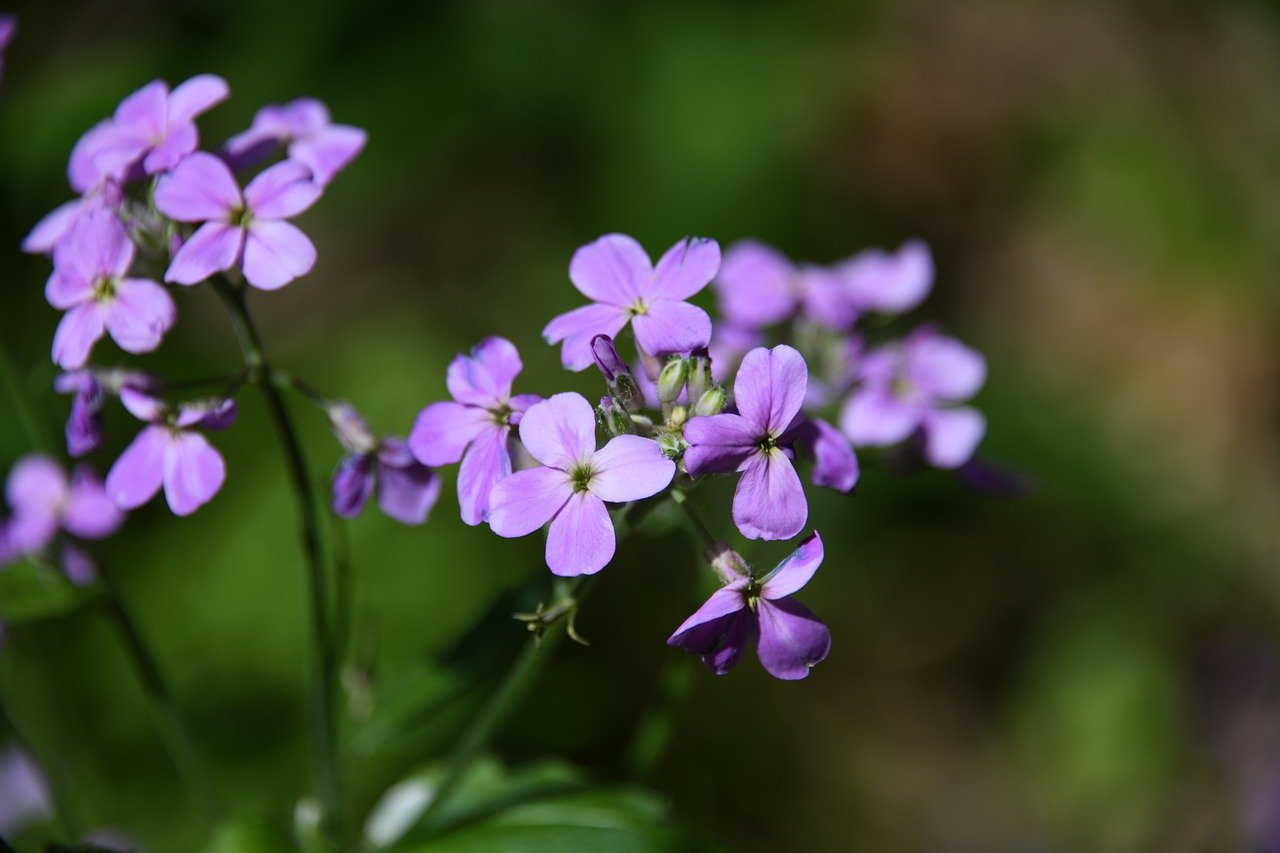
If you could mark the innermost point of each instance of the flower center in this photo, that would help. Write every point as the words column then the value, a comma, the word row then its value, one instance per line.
column 903, row 388
column 637, row 308
column 241, row 217
column 501, row 415
column 768, row 442
column 580, row 476
column 104, row 288
column 753, row 592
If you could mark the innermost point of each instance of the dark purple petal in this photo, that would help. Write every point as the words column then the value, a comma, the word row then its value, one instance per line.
column 720, row 630
column 723, row 602
column 216, row 413
column 769, row 502
column 560, row 431
column 84, row 425
column 952, row 435
column 137, row 475
column 834, row 463
column 796, row 570
column 685, row 269
column 719, row 444
column 605, row 355
column 352, row 484
column 484, row 376
column 581, row 540
column 770, row 387
column 630, row 468
column 275, row 253
column 487, row 461
column 792, row 639
column 407, row 489
column 757, row 285
column 996, row 479
column 442, row 432
column 613, row 270
column 193, row 472
column 526, row 500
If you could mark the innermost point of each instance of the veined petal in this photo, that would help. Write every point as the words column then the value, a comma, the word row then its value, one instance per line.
column 526, row 500
column 685, row 269
column 213, row 248
column 577, row 327
column 719, row 444
column 952, row 435
column 136, row 476
column 200, row 188
column 796, row 570
column 486, row 463
column 193, row 472
column 77, row 332
column 281, row 191
column 139, row 315
column 560, row 431
column 613, row 269
column 630, row 468
column 581, row 540
column 485, row 375
column 770, row 387
column 275, row 253
column 875, row 417
column 669, row 327
column 792, row 639
column 443, row 430
column 769, row 502
column 723, row 602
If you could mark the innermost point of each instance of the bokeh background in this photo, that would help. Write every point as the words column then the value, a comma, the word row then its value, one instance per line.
column 1090, row 667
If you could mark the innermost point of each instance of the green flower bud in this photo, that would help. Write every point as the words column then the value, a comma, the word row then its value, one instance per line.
column 711, row 402
column 671, row 379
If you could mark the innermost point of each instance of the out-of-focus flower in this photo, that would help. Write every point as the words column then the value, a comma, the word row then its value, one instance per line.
column 24, row 792
column 309, row 134
column 889, row 282
column 769, row 502
column 759, row 286
column 476, row 427
column 42, row 500
column 791, row 639
column 834, row 463
column 89, row 390
column 169, row 452
column 625, row 287
column 914, row 385
column 8, row 27
column 247, row 230
column 90, row 283
column 406, row 489
column 571, row 491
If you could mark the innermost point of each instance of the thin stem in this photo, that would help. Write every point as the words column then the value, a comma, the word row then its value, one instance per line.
column 174, row 735
column 323, row 693
column 682, row 500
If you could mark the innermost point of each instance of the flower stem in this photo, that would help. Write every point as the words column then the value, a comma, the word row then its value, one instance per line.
column 322, row 696
column 172, row 733
column 682, row 500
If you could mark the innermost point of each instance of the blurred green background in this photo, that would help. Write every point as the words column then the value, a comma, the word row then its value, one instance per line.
column 1089, row 668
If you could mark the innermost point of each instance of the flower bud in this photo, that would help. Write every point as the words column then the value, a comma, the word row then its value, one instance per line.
column 614, row 418
column 672, row 444
column 728, row 563
column 678, row 416
column 607, row 358
column 351, row 429
column 711, row 402
column 627, row 392
column 671, row 379
column 700, row 378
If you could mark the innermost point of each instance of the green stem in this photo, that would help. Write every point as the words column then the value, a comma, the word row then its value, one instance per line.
column 323, row 692
column 172, row 733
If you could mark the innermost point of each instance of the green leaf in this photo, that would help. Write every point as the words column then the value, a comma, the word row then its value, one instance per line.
column 29, row 591
column 248, row 837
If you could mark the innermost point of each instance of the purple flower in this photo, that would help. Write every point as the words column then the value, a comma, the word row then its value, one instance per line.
column 769, row 502
column 42, row 500
column 304, row 126
column 8, row 26
column 476, row 427
column 54, row 227
column 152, row 128
column 570, row 492
column 24, row 793
column 90, row 389
column 758, row 286
column 89, row 282
column 834, row 463
column 169, row 452
column 406, row 489
column 239, row 229
column 791, row 638
column 889, row 282
column 624, row 286
column 912, row 385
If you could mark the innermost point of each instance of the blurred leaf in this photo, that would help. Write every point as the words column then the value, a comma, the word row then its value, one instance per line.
column 248, row 837
column 30, row 591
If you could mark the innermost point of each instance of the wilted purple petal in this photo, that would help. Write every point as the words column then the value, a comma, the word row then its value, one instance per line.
column 630, row 468
column 139, row 315
column 668, row 327
column 952, row 435
column 719, row 444
column 213, row 248
column 484, row 376
column 770, row 387
column 874, row 416
column 193, row 472
column 792, row 639
column 685, row 269
column 560, row 431
column 137, row 475
column 284, row 190
column 757, row 285
column 613, row 269
column 442, row 432
column 769, row 502
column 352, row 485
column 577, row 327
column 200, row 188
column 796, row 570
column 88, row 512
column 77, row 332
column 275, row 253
column 834, row 463
column 486, row 462
column 526, row 500
column 581, row 540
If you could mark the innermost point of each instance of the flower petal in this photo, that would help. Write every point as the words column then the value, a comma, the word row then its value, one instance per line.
column 485, row 464
column 834, row 463
column 484, row 376
column 53, row 226
column 281, row 191
column 560, row 431
column 719, row 444
column 406, row 491
column 200, row 188
column 577, row 327
column 136, row 476
column 769, row 502
column 630, row 468
column 669, row 327
column 193, row 472
column 141, row 405
column 526, row 500
column 64, row 291
column 36, row 485
column 89, row 513
column 792, row 639
column 443, row 430
column 179, row 141
column 328, row 151
column 952, row 435
column 352, row 485
column 770, row 387
column 275, row 253
column 78, row 330
column 581, row 540
column 875, row 417
column 139, row 315
column 890, row 283
column 146, row 110
column 213, row 248
column 943, row 369
column 756, row 284
column 826, row 300
column 195, row 96
column 796, row 570
column 613, row 269
column 723, row 602
column 685, row 269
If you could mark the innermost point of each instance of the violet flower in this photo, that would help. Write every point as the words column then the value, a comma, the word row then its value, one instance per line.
column 769, row 502
column 169, row 452
column 791, row 639
column 476, row 427
column 24, row 792
column 246, row 230
column 571, row 491
column 305, row 128
column 89, row 389
column 835, row 465
column 624, row 286
column 758, row 286
column 913, row 385
column 89, row 282
column 889, row 282
column 42, row 501
column 406, row 489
